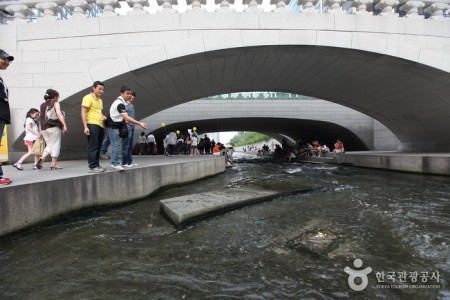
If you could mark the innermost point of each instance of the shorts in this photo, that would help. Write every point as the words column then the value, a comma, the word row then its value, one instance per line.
column 216, row 153
column 338, row 150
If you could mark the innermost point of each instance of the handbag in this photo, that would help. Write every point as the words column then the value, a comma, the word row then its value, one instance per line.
column 52, row 118
column 123, row 131
column 38, row 146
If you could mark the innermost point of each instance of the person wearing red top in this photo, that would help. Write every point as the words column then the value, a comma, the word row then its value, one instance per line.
column 219, row 150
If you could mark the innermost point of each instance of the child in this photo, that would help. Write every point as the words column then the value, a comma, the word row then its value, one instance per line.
column 31, row 135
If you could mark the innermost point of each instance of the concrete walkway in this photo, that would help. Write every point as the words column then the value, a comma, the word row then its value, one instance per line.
column 76, row 168
column 35, row 196
column 425, row 163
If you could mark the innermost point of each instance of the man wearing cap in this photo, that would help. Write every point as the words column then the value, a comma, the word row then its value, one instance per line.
column 5, row 113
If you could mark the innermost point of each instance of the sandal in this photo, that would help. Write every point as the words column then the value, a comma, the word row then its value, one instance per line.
column 39, row 164
column 56, row 168
column 18, row 166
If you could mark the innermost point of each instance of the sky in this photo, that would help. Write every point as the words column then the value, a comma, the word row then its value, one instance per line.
column 227, row 136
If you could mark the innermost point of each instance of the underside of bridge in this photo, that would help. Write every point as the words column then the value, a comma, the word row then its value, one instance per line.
column 297, row 129
column 409, row 98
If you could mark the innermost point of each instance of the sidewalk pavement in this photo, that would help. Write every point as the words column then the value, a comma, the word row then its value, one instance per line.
column 77, row 168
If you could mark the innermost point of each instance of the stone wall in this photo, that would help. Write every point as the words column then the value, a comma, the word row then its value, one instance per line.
column 28, row 204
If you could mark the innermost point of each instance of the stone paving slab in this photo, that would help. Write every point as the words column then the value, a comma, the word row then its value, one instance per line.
column 77, row 168
column 183, row 209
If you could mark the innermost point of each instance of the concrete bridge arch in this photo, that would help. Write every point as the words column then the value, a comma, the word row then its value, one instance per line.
column 279, row 116
column 277, row 128
column 382, row 70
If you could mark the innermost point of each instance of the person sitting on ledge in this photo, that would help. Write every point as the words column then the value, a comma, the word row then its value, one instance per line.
column 338, row 148
column 219, row 150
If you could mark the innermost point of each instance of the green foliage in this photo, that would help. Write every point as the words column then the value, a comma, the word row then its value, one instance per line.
column 248, row 138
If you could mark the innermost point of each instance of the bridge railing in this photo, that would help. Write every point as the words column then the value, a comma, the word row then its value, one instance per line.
column 259, row 96
column 39, row 11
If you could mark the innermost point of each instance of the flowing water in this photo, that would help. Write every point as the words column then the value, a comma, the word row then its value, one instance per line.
column 396, row 223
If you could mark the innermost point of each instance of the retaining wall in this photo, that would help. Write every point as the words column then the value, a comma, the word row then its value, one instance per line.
column 28, row 204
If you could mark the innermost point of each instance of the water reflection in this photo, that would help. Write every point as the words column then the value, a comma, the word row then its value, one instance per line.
column 392, row 221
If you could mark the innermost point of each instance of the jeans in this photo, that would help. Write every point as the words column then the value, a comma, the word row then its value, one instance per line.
column 127, row 148
column 2, row 127
column 115, row 145
column 105, row 144
column 94, row 143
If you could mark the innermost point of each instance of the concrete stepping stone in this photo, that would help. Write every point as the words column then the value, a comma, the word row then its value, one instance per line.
column 183, row 209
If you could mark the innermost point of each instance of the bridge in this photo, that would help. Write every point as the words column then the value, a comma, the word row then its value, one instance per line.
column 297, row 118
column 389, row 60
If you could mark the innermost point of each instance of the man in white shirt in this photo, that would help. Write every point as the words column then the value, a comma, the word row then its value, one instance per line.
column 194, row 139
column 119, row 116
column 151, row 143
column 172, row 141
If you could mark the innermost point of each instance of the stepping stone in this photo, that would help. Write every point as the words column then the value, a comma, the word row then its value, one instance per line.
column 180, row 210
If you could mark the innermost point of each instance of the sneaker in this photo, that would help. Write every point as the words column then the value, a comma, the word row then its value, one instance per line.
column 5, row 181
column 96, row 170
column 127, row 166
column 35, row 167
column 134, row 165
column 118, row 168
column 18, row 166
column 102, row 168
column 104, row 156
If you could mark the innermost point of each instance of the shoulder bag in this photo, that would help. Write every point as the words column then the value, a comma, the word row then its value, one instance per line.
column 52, row 118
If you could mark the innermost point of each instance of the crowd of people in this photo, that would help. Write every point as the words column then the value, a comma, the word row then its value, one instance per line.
column 48, row 124
column 114, row 130
column 310, row 149
column 180, row 144
column 291, row 151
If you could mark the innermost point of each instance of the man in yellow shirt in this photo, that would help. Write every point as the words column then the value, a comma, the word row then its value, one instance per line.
column 93, row 118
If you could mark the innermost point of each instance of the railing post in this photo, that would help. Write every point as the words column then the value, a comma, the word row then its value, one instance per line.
column 436, row 10
column 253, row 5
column 108, row 7
column 281, row 5
column 308, row 6
column 49, row 11
column 79, row 8
column 412, row 9
column 224, row 5
column 137, row 7
column 387, row 7
column 196, row 5
column 167, row 6
column 20, row 12
column 361, row 7
column 335, row 6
